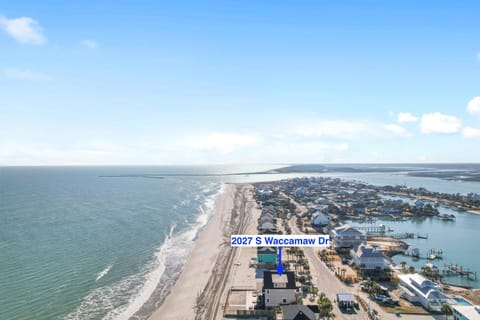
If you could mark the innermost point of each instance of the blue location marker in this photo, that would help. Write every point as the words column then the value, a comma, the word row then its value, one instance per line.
column 280, row 267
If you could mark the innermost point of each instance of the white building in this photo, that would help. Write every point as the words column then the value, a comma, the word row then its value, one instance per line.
column 417, row 288
column 464, row 312
column 369, row 258
column 279, row 290
column 347, row 237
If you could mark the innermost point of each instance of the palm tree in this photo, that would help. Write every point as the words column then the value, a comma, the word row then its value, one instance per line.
column 446, row 310
column 403, row 263
column 325, row 306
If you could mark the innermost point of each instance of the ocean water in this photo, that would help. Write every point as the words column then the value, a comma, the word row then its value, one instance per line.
column 109, row 242
column 92, row 243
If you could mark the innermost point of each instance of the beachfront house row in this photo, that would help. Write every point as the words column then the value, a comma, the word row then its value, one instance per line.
column 266, row 256
column 465, row 312
column 347, row 237
column 418, row 289
column 279, row 290
column 369, row 258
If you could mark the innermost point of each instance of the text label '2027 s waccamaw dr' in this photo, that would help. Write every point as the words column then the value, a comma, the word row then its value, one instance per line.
column 237, row 240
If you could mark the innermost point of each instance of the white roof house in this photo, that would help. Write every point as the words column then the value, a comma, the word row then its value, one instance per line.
column 419, row 289
column 464, row 312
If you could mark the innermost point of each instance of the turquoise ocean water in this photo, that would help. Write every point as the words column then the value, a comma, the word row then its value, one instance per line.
column 108, row 242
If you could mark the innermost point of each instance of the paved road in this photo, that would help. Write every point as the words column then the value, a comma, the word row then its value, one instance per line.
column 326, row 281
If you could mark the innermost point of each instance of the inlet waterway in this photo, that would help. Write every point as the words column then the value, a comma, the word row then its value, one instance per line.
column 458, row 239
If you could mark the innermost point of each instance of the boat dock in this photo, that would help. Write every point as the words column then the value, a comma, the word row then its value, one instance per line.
column 409, row 235
column 432, row 254
column 381, row 229
column 458, row 270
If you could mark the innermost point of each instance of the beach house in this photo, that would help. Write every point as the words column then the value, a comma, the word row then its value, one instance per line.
column 347, row 237
column 267, row 228
column 266, row 217
column 418, row 289
column 300, row 312
column 369, row 258
column 279, row 290
column 266, row 256
column 320, row 219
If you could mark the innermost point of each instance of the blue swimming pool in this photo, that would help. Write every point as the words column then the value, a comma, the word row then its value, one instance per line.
column 462, row 301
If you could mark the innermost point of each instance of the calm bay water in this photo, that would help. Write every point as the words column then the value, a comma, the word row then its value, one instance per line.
column 75, row 245
column 458, row 239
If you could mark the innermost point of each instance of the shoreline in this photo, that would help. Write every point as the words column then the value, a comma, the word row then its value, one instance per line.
column 180, row 303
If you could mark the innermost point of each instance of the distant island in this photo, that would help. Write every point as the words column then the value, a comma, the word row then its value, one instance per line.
column 454, row 171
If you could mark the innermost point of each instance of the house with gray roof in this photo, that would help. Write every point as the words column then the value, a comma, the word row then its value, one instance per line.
column 369, row 258
column 345, row 237
column 267, row 228
column 298, row 312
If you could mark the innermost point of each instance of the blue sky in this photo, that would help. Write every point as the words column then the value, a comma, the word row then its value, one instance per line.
column 198, row 82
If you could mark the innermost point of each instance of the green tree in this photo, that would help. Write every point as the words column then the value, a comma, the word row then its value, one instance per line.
column 325, row 306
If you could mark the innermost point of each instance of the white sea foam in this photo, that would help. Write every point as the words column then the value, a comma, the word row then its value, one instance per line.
column 140, row 287
column 104, row 272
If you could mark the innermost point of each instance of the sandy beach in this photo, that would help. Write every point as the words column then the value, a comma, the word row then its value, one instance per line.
column 194, row 295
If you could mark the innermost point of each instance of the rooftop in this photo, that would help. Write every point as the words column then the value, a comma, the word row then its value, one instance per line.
column 422, row 286
column 271, row 280
column 470, row 312
column 345, row 297
column 369, row 252
column 290, row 312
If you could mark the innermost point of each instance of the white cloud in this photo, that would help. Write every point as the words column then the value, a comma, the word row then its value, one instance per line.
column 25, row 74
column 478, row 56
column 333, row 128
column 222, row 142
column 398, row 130
column 90, row 44
column 440, row 123
column 469, row 132
column 406, row 117
column 474, row 106
column 24, row 30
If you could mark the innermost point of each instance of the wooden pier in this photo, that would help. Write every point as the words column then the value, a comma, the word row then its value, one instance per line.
column 381, row 229
column 432, row 254
column 403, row 235
column 458, row 270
